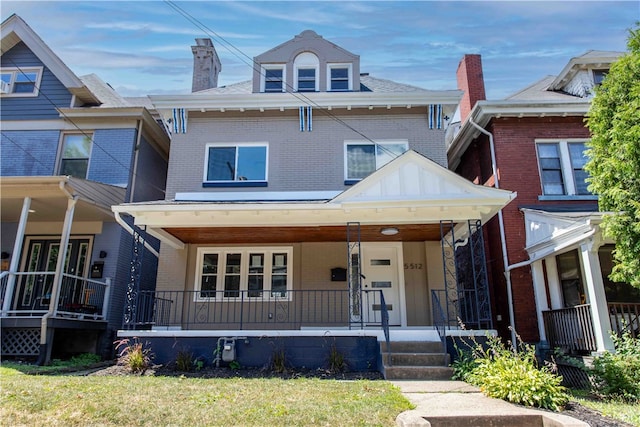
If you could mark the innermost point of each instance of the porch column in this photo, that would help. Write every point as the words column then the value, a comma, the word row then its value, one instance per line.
column 541, row 297
column 62, row 254
column 15, row 256
column 555, row 290
column 596, row 297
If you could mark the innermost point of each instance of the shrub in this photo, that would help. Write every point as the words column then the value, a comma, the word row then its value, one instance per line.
column 513, row 375
column 464, row 364
column 617, row 375
column 184, row 361
column 134, row 354
column 337, row 361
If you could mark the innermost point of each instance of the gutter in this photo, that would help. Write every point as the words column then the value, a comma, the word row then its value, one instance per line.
column 503, row 242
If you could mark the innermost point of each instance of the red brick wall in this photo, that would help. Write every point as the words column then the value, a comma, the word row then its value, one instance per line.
column 516, row 159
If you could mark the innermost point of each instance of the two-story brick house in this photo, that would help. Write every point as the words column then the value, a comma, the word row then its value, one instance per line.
column 70, row 148
column 313, row 199
column 547, row 257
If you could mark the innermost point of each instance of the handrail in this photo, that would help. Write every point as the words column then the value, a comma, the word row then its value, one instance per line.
column 439, row 319
column 385, row 326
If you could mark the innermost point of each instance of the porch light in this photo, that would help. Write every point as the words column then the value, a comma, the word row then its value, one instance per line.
column 389, row 231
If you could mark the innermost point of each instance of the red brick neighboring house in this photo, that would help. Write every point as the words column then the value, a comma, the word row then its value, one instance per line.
column 546, row 257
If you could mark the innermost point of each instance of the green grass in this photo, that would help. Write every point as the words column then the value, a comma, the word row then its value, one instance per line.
column 622, row 411
column 57, row 366
column 152, row 401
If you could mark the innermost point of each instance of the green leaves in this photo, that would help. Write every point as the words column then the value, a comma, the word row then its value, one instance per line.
column 614, row 152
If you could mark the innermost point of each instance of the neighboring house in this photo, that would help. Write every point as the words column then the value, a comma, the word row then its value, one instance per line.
column 313, row 200
column 550, row 275
column 70, row 148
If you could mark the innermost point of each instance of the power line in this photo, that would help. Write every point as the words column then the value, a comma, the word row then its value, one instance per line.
column 250, row 63
column 93, row 143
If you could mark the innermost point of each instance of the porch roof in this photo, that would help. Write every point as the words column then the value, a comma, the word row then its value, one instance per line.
column 49, row 196
column 411, row 193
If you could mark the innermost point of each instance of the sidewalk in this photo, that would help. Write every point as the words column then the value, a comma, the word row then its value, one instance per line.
column 456, row 403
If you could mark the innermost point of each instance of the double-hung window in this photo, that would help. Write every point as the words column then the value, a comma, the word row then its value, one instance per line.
column 76, row 151
column 339, row 77
column 306, row 70
column 236, row 165
column 561, row 166
column 20, row 81
column 273, row 79
column 262, row 273
column 306, row 79
column 364, row 157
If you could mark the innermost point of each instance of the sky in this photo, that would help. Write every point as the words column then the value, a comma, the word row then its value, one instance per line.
column 144, row 47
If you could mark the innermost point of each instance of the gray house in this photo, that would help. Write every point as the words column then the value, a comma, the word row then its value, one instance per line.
column 312, row 201
column 71, row 147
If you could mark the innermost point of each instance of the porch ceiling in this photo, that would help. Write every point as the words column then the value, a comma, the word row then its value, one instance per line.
column 252, row 235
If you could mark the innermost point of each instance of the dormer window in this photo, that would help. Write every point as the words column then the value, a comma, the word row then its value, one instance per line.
column 306, row 71
column 21, row 82
column 598, row 76
column 273, row 79
column 339, row 77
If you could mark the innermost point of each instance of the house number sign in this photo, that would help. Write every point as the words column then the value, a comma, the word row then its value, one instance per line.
column 412, row 266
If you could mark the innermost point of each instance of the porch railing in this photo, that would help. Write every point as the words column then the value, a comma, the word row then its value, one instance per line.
column 570, row 328
column 80, row 297
column 439, row 318
column 625, row 317
column 247, row 309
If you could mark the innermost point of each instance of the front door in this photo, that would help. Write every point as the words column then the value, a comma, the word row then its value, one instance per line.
column 41, row 258
column 380, row 273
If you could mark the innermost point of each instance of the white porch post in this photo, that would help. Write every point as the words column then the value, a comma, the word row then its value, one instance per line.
column 62, row 255
column 15, row 256
column 596, row 296
column 555, row 290
column 541, row 296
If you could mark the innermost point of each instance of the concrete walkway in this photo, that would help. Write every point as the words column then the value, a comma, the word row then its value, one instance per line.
column 456, row 403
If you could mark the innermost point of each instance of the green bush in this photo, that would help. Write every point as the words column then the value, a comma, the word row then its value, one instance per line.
column 512, row 375
column 464, row 364
column 617, row 375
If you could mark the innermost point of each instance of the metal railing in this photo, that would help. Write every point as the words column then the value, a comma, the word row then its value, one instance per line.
column 79, row 297
column 439, row 318
column 570, row 328
column 251, row 309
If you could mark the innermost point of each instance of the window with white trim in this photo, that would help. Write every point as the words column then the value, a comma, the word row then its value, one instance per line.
column 249, row 273
column 561, row 166
column 76, row 151
column 20, row 81
column 306, row 67
column 245, row 163
column 361, row 158
column 598, row 76
column 273, row 79
column 339, row 77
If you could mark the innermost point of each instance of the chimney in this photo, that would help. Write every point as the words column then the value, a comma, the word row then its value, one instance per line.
column 206, row 65
column 471, row 81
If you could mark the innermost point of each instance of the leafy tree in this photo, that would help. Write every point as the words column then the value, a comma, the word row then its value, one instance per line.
column 614, row 164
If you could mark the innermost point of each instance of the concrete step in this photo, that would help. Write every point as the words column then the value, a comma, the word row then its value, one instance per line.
column 413, row 347
column 417, row 359
column 431, row 373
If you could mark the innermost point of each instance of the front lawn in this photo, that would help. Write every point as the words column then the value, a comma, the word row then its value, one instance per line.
column 159, row 401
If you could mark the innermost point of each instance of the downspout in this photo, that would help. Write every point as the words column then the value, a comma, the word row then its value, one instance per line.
column 135, row 161
column 503, row 241
column 127, row 227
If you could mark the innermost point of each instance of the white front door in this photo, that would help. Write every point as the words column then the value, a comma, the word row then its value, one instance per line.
column 380, row 272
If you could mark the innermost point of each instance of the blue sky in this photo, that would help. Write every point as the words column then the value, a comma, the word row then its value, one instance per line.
column 144, row 47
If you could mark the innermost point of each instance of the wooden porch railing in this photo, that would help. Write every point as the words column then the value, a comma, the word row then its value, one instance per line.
column 572, row 328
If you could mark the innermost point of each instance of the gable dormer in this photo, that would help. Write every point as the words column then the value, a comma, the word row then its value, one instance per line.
column 306, row 63
column 583, row 73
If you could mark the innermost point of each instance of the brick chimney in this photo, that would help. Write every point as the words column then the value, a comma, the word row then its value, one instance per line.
column 206, row 65
column 471, row 81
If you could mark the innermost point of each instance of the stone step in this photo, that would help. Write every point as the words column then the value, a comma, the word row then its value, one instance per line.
column 412, row 347
column 430, row 373
column 417, row 359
